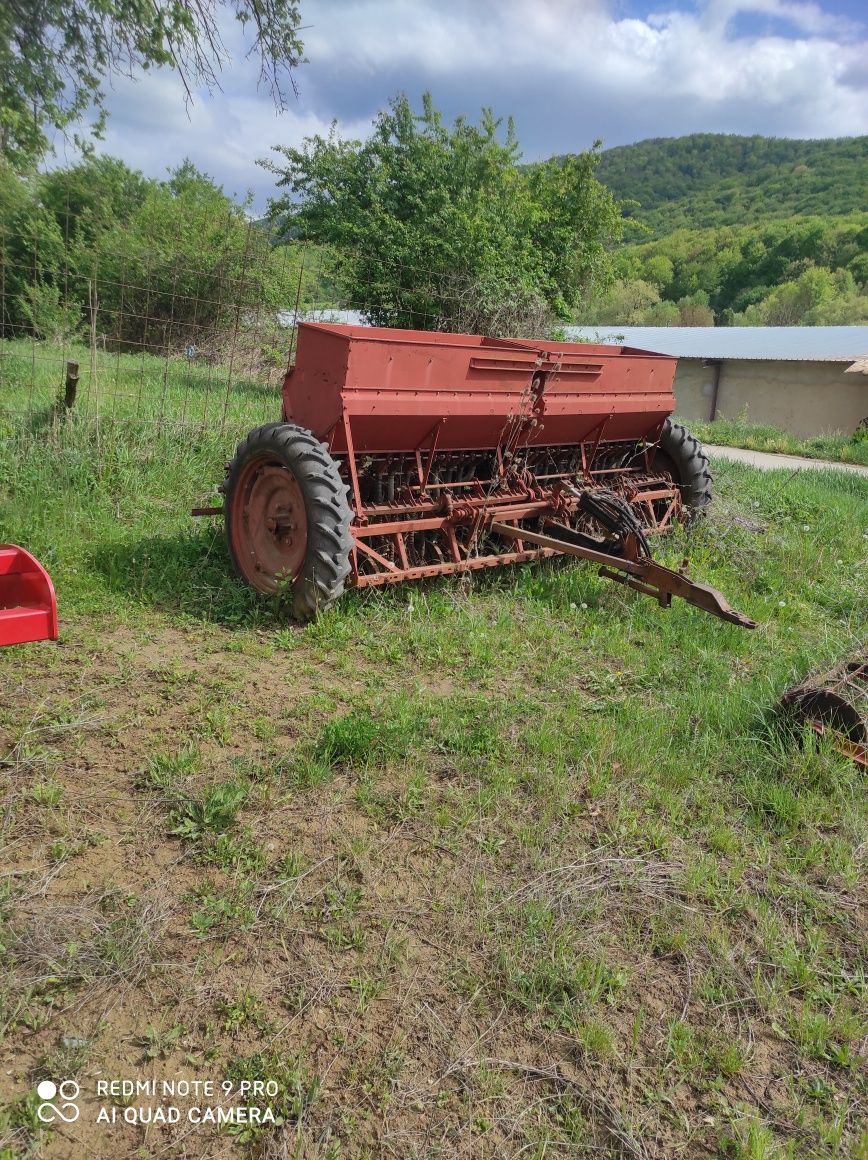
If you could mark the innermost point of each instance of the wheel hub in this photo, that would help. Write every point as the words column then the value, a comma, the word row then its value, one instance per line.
column 269, row 524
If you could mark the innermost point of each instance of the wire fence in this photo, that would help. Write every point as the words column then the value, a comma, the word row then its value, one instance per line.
column 141, row 335
column 153, row 341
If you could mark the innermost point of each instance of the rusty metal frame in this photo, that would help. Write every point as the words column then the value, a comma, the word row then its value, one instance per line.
column 534, row 427
column 499, row 515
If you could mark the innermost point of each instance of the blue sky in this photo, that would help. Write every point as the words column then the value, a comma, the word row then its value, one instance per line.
column 569, row 71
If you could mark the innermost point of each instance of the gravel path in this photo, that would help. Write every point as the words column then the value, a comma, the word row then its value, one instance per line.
column 769, row 462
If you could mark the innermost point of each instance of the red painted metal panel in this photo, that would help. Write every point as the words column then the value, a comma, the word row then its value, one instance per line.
column 398, row 386
column 28, row 605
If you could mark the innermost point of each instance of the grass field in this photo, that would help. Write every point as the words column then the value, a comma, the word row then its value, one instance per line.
column 761, row 437
column 514, row 867
column 139, row 385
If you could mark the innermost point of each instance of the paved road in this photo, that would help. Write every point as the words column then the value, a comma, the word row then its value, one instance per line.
column 769, row 462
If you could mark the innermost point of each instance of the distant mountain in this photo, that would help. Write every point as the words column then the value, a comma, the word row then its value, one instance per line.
column 715, row 179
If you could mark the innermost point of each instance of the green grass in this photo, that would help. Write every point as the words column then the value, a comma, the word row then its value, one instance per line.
column 514, row 866
column 762, row 437
column 136, row 386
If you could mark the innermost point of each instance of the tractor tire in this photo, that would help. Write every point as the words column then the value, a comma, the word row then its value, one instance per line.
column 691, row 467
column 287, row 517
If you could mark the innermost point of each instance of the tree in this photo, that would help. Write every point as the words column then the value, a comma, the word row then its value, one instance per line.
column 55, row 56
column 708, row 180
column 624, row 304
column 187, row 266
column 659, row 270
column 31, row 245
column 150, row 265
column 818, row 297
column 441, row 227
column 89, row 197
column 49, row 225
column 693, row 313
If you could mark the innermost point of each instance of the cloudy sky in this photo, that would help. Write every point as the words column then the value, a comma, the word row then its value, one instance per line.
column 569, row 71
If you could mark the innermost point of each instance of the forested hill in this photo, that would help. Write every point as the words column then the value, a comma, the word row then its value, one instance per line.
column 747, row 231
column 716, row 179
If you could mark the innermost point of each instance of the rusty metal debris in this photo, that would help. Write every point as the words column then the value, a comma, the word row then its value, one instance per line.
column 835, row 704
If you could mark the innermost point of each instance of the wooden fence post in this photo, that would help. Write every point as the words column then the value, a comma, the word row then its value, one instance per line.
column 71, row 385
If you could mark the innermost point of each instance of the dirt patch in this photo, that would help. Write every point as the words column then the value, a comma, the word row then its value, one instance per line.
column 459, row 947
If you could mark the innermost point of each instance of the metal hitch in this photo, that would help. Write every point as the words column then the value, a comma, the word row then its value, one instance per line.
column 634, row 570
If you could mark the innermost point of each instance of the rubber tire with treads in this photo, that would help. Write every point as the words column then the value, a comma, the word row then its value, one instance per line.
column 691, row 463
column 319, row 581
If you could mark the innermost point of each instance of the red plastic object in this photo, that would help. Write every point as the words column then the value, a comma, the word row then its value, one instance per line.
column 28, row 605
column 396, row 387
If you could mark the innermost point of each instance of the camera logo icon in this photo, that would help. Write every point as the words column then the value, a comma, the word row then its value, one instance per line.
column 65, row 1093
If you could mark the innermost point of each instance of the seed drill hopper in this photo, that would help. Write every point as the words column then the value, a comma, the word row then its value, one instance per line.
column 403, row 455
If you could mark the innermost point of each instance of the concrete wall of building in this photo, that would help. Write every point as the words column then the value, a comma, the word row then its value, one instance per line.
column 693, row 390
column 804, row 398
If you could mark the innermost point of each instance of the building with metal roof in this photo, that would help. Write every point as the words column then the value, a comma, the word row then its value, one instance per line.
column 804, row 379
column 785, row 343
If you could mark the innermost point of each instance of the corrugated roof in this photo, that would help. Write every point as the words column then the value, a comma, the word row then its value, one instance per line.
column 789, row 343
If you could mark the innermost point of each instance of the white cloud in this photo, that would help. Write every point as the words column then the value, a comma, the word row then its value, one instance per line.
column 809, row 18
column 689, row 53
column 224, row 136
column 569, row 71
